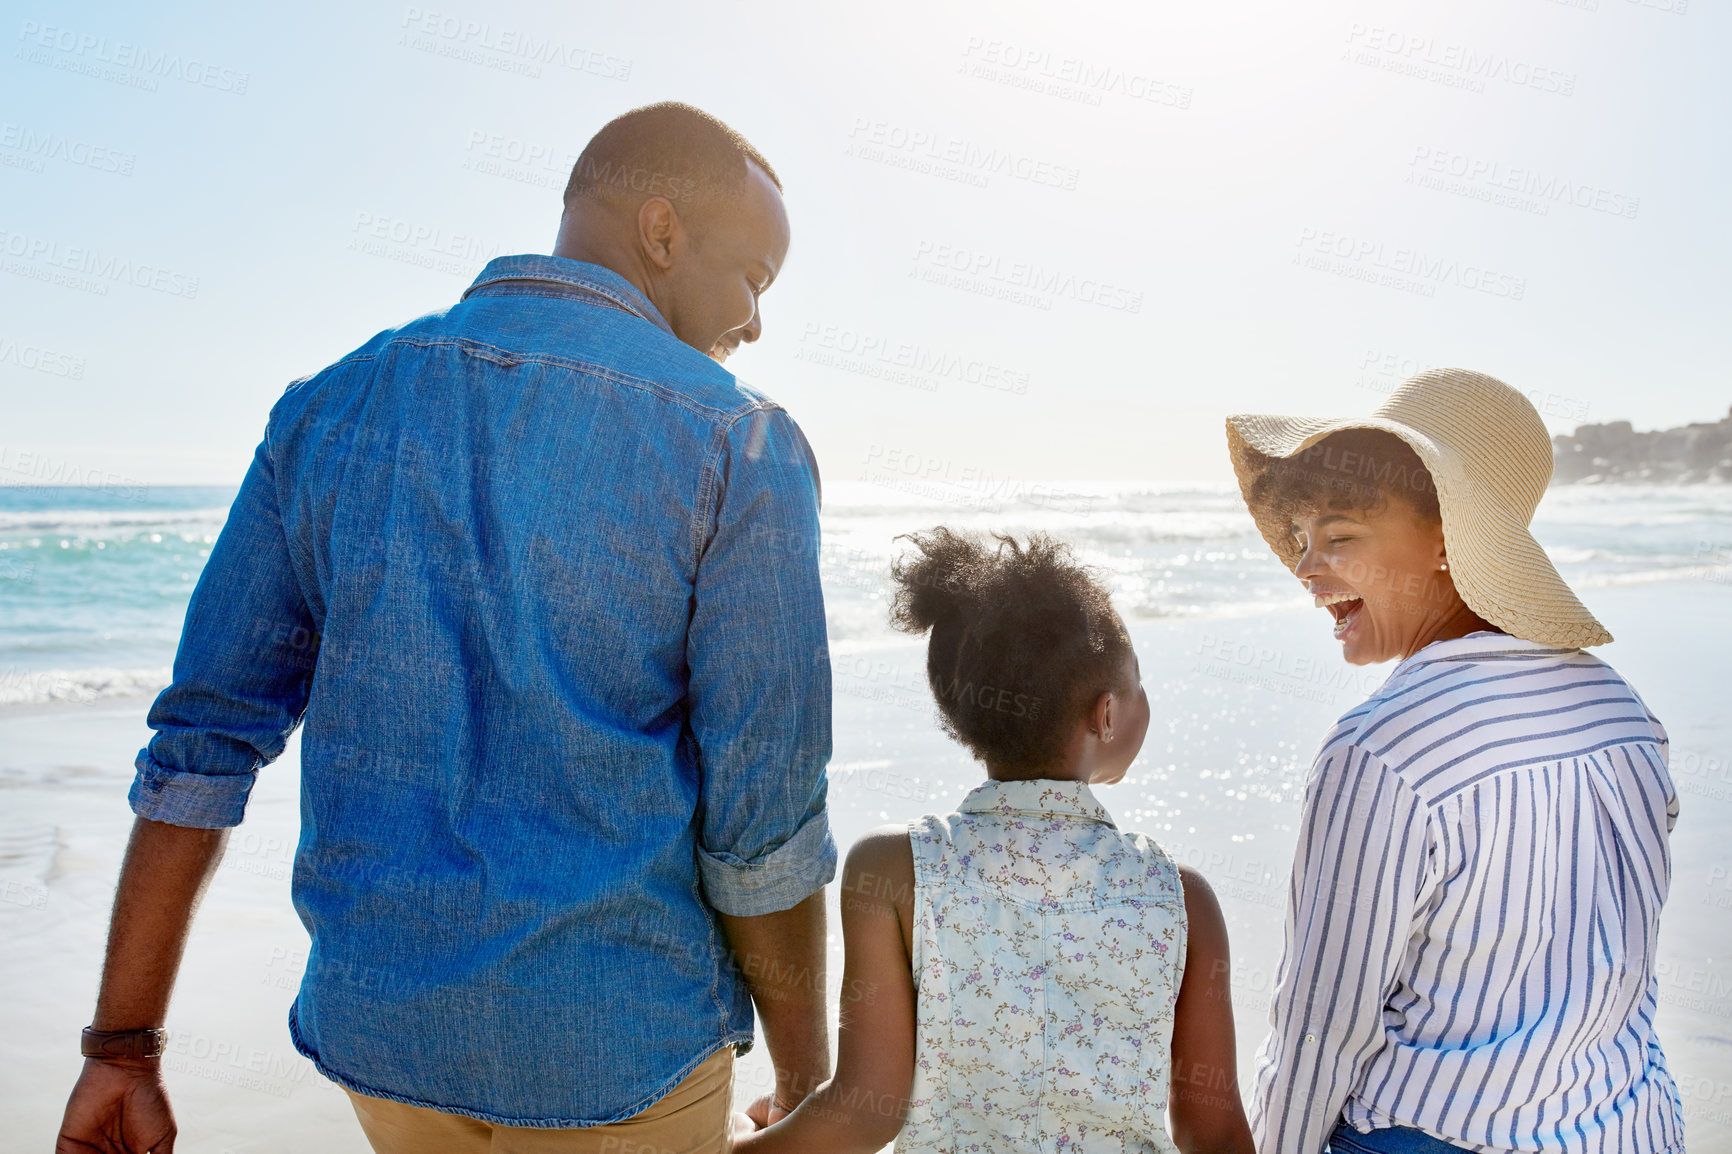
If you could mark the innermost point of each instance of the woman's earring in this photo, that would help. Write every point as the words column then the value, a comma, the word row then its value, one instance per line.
column 1445, row 565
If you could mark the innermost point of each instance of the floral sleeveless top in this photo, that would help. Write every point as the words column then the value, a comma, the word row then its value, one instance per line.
column 1048, row 948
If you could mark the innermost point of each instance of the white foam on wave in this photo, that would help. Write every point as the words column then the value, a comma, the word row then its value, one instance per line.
column 78, row 686
column 1719, row 574
column 85, row 522
column 859, row 496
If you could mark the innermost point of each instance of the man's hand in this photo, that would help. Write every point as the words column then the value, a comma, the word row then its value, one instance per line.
column 769, row 1109
column 743, row 1124
column 118, row 1107
column 119, row 1104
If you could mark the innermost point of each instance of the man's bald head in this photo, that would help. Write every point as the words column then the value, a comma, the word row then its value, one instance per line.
column 688, row 211
column 668, row 149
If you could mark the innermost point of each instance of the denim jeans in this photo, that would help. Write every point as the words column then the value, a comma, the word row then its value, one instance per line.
column 1394, row 1140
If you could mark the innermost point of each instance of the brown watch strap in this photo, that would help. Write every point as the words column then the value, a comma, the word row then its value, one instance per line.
column 123, row 1043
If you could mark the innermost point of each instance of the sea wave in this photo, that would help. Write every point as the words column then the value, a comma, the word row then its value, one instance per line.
column 78, row 686
column 1719, row 574
column 88, row 521
column 917, row 498
column 88, row 579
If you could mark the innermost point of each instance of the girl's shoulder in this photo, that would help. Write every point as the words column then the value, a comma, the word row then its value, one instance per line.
column 883, row 847
column 879, row 868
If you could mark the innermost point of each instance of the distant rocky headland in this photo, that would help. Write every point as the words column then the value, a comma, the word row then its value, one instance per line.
column 1615, row 452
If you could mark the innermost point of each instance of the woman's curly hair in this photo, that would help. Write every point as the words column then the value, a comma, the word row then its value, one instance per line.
column 1024, row 639
column 1354, row 471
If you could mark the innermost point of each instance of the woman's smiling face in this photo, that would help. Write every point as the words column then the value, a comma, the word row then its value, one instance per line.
column 1381, row 574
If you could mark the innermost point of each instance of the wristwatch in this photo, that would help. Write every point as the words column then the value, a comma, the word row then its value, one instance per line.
column 123, row 1043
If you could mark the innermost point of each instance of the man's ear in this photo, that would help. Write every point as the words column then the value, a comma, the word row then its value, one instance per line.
column 658, row 228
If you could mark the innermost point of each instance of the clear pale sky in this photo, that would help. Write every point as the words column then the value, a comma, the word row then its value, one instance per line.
column 1193, row 209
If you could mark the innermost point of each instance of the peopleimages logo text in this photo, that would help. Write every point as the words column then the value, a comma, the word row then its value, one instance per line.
column 1471, row 63
column 925, row 366
column 42, row 469
column 165, row 64
column 102, row 266
column 1524, row 180
column 869, row 135
column 514, row 42
column 413, row 234
column 1420, row 268
column 54, row 146
column 1087, row 76
column 1024, row 275
column 40, row 359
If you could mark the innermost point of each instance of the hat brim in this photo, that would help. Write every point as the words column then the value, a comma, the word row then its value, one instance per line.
column 1498, row 567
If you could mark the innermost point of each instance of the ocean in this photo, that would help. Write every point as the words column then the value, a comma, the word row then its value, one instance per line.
column 94, row 582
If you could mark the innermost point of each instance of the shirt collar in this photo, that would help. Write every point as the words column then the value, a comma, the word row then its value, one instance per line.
column 569, row 278
column 1041, row 797
column 1478, row 647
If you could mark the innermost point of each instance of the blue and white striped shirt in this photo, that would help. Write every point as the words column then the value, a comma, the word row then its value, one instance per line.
column 1475, row 905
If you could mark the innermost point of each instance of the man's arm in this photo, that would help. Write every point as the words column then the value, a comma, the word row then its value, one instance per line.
column 1357, row 873
column 119, row 1104
column 759, row 709
column 241, row 682
column 782, row 958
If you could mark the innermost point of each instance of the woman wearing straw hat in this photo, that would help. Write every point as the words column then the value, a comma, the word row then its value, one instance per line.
column 1482, row 855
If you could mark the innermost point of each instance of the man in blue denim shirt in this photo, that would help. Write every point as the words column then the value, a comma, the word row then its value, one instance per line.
column 539, row 577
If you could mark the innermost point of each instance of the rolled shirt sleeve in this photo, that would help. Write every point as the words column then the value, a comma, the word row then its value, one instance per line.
column 759, row 690
column 242, row 674
column 1357, row 874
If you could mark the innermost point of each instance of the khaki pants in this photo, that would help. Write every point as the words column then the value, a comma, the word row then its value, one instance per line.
column 692, row 1118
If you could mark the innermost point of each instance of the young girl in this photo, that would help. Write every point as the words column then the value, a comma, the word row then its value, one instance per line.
column 1021, row 975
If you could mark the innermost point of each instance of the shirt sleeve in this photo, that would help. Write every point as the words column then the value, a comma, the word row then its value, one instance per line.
column 1665, row 749
column 759, row 688
column 1357, row 875
column 242, row 674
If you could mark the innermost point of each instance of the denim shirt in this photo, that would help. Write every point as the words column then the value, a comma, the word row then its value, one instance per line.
column 541, row 581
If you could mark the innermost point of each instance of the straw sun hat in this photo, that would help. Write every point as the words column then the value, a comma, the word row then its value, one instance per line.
column 1490, row 459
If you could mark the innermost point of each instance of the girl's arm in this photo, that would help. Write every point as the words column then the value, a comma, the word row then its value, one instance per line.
column 861, row 1109
column 1204, row 1111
